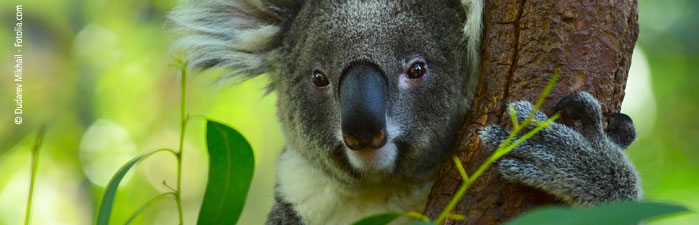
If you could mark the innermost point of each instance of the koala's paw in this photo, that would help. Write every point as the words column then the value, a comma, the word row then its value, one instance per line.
column 620, row 129
column 580, row 106
column 581, row 168
column 585, row 108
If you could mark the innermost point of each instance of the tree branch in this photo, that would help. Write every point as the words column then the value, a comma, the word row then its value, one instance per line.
column 589, row 43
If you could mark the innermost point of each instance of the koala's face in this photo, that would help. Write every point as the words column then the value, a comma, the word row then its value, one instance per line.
column 373, row 91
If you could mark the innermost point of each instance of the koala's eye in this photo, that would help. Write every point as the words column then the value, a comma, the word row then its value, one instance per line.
column 416, row 70
column 319, row 79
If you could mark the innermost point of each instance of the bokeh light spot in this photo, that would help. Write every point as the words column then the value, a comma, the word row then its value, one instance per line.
column 104, row 148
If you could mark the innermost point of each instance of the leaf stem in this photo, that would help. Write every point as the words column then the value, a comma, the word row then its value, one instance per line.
column 183, row 120
column 417, row 215
column 35, row 164
column 148, row 204
column 461, row 169
column 169, row 187
column 505, row 147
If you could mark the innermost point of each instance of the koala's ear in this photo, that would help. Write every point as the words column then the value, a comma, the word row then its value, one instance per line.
column 472, row 30
column 241, row 36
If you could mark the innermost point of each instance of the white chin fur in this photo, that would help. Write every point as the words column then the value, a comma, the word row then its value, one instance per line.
column 378, row 160
column 375, row 160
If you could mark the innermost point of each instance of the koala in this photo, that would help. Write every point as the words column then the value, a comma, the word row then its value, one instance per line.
column 371, row 96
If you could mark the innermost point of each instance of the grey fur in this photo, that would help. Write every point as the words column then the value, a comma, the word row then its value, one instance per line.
column 282, row 213
column 237, row 35
column 290, row 39
column 580, row 168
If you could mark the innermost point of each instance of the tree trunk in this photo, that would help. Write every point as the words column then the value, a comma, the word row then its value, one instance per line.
column 589, row 43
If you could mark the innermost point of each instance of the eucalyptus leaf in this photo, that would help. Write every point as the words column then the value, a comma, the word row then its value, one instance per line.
column 231, row 165
column 615, row 213
column 110, row 193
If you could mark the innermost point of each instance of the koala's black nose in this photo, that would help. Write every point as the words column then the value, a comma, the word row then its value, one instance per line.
column 363, row 106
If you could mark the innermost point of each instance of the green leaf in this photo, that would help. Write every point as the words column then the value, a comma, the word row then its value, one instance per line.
column 35, row 164
column 420, row 222
column 379, row 219
column 231, row 164
column 614, row 213
column 108, row 199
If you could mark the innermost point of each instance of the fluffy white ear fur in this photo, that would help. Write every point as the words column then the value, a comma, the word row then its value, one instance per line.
column 239, row 35
column 472, row 30
column 234, row 34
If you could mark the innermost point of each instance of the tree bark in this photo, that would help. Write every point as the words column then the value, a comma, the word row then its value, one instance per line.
column 589, row 43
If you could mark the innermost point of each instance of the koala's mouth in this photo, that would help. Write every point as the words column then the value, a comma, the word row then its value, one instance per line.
column 381, row 159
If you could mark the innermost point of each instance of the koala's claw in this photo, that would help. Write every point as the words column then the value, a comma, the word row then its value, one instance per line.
column 581, row 168
column 581, row 106
column 492, row 136
column 620, row 129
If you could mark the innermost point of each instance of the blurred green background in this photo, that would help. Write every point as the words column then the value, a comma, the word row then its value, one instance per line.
column 99, row 73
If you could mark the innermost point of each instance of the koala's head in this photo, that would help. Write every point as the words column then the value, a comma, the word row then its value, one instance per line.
column 370, row 91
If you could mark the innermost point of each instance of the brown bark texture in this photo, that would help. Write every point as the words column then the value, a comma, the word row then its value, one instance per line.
column 589, row 43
